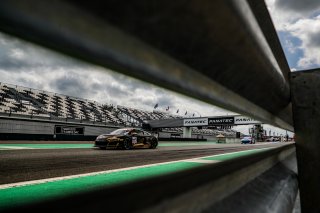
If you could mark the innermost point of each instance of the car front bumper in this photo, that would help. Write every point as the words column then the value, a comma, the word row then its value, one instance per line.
column 106, row 144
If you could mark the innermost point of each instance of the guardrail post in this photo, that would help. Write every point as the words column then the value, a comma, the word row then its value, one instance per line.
column 305, row 90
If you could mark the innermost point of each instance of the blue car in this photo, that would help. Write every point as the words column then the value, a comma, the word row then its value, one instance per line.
column 247, row 139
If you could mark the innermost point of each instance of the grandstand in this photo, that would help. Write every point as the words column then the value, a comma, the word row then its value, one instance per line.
column 17, row 101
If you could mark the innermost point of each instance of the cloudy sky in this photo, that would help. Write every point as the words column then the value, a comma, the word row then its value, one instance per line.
column 25, row 64
column 297, row 23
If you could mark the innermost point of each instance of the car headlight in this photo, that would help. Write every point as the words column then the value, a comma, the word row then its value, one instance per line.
column 101, row 137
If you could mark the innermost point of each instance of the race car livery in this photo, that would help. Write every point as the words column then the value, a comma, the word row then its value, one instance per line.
column 126, row 138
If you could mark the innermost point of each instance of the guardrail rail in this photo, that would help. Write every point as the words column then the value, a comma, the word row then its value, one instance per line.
column 208, row 50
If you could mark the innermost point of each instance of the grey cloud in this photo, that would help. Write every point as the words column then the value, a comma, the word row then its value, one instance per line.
column 148, row 102
column 106, row 86
column 116, row 92
column 70, row 85
column 33, row 57
column 314, row 39
column 165, row 100
column 136, row 102
column 298, row 5
column 131, row 83
column 34, row 83
column 142, row 85
column 8, row 64
column 97, row 86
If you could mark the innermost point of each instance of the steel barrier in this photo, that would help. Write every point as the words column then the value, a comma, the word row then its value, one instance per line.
column 208, row 50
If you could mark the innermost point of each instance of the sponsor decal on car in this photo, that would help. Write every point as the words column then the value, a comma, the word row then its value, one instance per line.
column 134, row 140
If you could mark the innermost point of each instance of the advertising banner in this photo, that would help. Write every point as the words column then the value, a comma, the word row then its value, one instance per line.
column 221, row 121
column 245, row 120
column 69, row 130
column 195, row 122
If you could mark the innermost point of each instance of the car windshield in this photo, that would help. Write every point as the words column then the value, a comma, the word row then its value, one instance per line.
column 119, row 131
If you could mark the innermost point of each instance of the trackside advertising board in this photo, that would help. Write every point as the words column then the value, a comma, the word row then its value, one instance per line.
column 221, row 121
column 245, row 120
column 195, row 122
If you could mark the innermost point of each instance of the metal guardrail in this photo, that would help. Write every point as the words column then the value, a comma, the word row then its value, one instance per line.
column 306, row 101
column 225, row 53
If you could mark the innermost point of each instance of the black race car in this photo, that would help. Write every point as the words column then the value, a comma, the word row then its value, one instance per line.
column 126, row 138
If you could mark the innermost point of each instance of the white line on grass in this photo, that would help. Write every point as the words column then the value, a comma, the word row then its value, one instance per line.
column 202, row 161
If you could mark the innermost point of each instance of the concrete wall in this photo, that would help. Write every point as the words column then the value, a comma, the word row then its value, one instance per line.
column 25, row 129
column 94, row 130
column 233, row 140
column 168, row 135
column 37, row 129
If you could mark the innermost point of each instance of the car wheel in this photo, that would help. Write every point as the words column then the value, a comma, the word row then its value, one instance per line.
column 154, row 143
column 103, row 148
column 143, row 140
column 127, row 144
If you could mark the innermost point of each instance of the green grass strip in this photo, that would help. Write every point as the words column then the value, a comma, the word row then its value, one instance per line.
column 34, row 193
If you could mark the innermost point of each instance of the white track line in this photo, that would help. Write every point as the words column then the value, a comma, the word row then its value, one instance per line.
column 13, row 147
column 34, row 182
column 203, row 161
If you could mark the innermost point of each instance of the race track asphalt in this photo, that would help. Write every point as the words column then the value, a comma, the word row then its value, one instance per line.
column 17, row 165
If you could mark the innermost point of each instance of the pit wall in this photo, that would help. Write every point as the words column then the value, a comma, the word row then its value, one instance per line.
column 233, row 140
column 23, row 129
column 37, row 129
column 210, row 138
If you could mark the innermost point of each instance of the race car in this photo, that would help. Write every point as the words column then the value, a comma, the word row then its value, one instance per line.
column 126, row 138
column 247, row 139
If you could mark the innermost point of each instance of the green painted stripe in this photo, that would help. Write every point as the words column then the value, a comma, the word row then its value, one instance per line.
column 228, row 156
column 26, row 194
column 47, row 146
